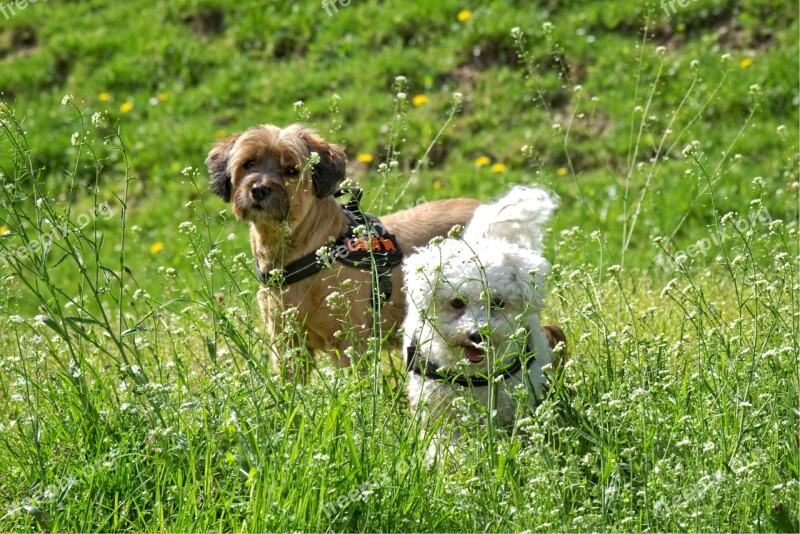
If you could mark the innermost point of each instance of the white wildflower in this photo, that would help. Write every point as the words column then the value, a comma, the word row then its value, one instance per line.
column 187, row 227
column 75, row 370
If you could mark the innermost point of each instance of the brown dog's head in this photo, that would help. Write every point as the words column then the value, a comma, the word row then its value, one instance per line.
column 264, row 172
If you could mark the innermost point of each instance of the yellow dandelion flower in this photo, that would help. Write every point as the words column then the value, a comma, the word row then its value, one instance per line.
column 126, row 107
column 5, row 230
column 163, row 96
column 220, row 133
column 156, row 247
column 364, row 158
column 437, row 184
column 464, row 15
column 419, row 100
column 498, row 167
column 562, row 171
column 104, row 97
column 482, row 161
column 746, row 62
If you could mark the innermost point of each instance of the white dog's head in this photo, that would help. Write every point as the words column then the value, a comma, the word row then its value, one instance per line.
column 474, row 303
column 471, row 305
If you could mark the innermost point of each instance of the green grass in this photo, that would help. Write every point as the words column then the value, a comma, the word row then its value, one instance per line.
column 134, row 388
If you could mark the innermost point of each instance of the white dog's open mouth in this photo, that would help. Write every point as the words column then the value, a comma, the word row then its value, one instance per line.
column 473, row 354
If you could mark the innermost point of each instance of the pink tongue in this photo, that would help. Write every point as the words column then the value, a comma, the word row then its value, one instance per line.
column 473, row 354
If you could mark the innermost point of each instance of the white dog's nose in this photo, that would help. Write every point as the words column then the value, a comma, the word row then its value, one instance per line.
column 476, row 337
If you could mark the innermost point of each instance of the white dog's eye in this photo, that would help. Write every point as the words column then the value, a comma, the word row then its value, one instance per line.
column 247, row 165
column 291, row 170
column 498, row 304
column 458, row 303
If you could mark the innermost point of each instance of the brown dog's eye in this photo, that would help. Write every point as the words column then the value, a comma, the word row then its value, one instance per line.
column 498, row 304
column 247, row 165
column 458, row 303
column 291, row 171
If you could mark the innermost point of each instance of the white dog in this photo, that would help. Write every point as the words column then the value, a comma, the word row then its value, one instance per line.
column 472, row 328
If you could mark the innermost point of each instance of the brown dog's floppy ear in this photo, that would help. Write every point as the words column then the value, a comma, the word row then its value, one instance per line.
column 330, row 171
column 217, row 163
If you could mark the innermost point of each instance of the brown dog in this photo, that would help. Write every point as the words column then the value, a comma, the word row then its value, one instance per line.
column 274, row 183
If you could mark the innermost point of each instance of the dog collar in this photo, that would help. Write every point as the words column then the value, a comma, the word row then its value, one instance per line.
column 363, row 249
column 414, row 364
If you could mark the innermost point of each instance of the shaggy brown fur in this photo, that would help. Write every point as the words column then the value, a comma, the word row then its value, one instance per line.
column 267, row 175
column 555, row 336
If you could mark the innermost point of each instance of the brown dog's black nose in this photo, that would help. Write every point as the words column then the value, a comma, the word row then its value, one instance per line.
column 476, row 337
column 259, row 192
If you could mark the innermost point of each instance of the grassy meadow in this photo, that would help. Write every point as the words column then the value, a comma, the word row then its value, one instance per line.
column 135, row 393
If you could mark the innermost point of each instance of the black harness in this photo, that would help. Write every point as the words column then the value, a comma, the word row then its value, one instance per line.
column 415, row 364
column 365, row 243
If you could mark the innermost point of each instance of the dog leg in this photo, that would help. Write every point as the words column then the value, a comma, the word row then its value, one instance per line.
column 294, row 362
column 431, row 402
column 290, row 355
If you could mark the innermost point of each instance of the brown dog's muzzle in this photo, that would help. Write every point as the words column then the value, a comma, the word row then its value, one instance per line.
column 262, row 198
column 259, row 192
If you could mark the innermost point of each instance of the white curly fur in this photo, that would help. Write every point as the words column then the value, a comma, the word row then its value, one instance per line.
column 519, row 217
column 497, row 271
